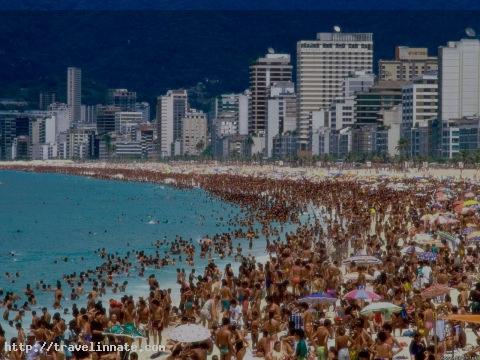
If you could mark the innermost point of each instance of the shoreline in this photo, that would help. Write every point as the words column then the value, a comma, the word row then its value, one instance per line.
column 188, row 171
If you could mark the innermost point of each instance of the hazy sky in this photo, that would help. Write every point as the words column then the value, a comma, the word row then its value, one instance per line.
column 237, row 4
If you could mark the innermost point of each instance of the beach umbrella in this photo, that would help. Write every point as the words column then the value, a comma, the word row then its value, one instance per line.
column 362, row 294
column 474, row 236
column 363, row 259
column 428, row 256
column 188, row 333
column 318, row 298
column 426, row 217
column 470, row 202
column 469, row 195
column 411, row 249
column 125, row 330
column 470, row 318
column 443, row 220
column 447, row 236
column 435, row 291
column 423, row 237
column 354, row 276
column 383, row 307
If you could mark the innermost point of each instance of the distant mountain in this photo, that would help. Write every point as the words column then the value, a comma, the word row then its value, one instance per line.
column 236, row 4
column 152, row 51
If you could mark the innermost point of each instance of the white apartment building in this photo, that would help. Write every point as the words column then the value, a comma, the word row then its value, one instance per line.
column 231, row 114
column 420, row 101
column 342, row 112
column 194, row 139
column 171, row 109
column 265, row 71
column 322, row 65
column 357, row 81
column 459, row 79
column 74, row 94
column 281, row 112
column 126, row 122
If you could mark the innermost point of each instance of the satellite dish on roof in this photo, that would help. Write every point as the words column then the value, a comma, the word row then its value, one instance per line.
column 271, row 50
column 337, row 29
column 470, row 32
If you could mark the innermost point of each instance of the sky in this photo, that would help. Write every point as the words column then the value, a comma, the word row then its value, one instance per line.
column 237, row 4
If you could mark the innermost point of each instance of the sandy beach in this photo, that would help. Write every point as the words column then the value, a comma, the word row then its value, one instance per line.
column 340, row 213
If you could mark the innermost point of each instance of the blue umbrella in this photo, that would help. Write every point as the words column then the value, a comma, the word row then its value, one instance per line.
column 428, row 256
column 318, row 298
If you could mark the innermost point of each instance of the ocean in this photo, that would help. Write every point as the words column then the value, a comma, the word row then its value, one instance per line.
column 49, row 222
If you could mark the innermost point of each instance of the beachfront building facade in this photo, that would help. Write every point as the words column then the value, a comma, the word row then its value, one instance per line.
column 106, row 119
column 45, row 99
column 357, row 81
column 263, row 73
column 171, row 109
column 409, row 63
column 384, row 95
column 194, row 138
column 74, row 94
column 281, row 112
column 458, row 92
column 127, row 122
column 231, row 114
column 322, row 66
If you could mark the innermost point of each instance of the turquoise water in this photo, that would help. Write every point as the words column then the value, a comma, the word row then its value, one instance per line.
column 47, row 217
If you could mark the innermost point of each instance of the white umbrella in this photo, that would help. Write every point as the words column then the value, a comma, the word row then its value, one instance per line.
column 411, row 249
column 188, row 333
column 383, row 307
column 362, row 259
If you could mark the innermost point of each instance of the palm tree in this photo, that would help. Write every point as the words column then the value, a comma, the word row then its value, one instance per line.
column 403, row 146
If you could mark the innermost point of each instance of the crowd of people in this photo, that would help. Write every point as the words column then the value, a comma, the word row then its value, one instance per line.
column 325, row 240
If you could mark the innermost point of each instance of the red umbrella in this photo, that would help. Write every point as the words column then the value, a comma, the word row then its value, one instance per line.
column 435, row 290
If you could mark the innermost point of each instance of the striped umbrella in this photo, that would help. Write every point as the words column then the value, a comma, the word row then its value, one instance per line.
column 362, row 294
column 447, row 236
column 435, row 291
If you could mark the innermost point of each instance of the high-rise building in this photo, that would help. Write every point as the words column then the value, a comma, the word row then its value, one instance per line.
column 7, row 133
column 122, row 98
column 74, row 94
column 281, row 112
column 409, row 63
column 459, row 79
column 144, row 108
column 342, row 112
column 419, row 102
column 322, row 65
column 265, row 71
column 106, row 118
column 384, row 95
column 171, row 109
column 127, row 122
column 231, row 114
column 45, row 99
column 357, row 81
column 89, row 114
column 194, row 139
